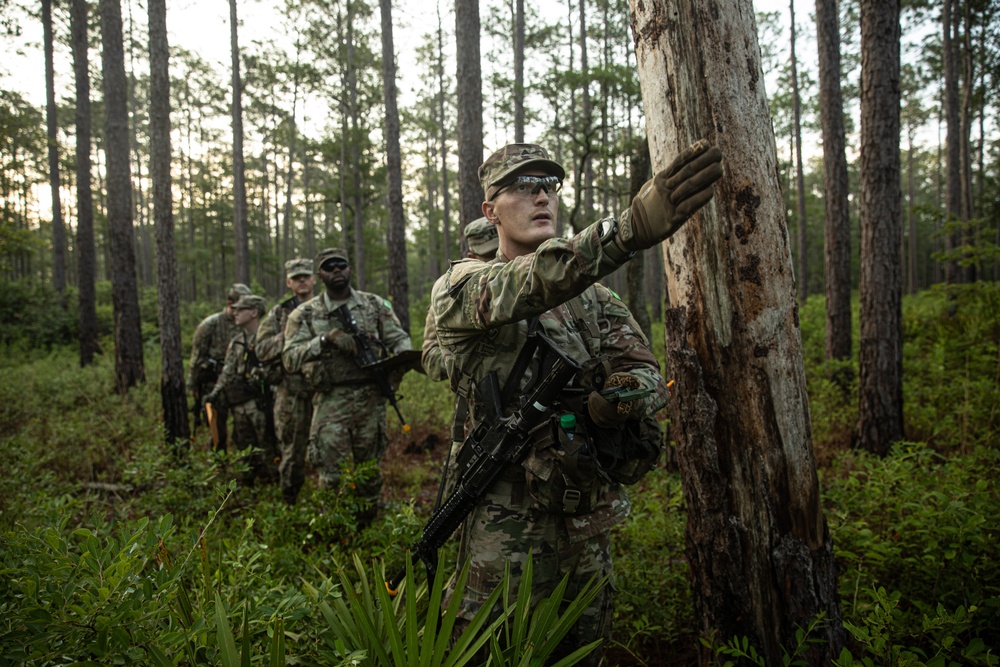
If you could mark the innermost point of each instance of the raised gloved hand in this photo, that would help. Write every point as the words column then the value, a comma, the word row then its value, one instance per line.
column 667, row 200
column 342, row 341
column 608, row 413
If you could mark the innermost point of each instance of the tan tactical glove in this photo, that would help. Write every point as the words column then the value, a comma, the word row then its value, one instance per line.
column 608, row 414
column 342, row 341
column 667, row 200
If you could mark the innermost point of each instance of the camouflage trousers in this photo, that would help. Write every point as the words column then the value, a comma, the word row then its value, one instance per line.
column 292, row 418
column 348, row 428
column 505, row 525
column 250, row 430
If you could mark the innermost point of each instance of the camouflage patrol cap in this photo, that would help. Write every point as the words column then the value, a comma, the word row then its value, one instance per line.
column 251, row 302
column 236, row 290
column 514, row 158
column 482, row 237
column 299, row 266
column 331, row 253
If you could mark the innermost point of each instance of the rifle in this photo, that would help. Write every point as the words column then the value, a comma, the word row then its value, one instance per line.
column 497, row 442
column 368, row 360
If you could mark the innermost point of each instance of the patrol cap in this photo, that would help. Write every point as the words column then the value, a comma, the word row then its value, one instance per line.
column 482, row 237
column 331, row 253
column 251, row 301
column 236, row 290
column 299, row 266
column 514, row 158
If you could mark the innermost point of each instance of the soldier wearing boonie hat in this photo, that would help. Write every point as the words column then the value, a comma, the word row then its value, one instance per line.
column 208, row 353
column 349, row 412
column 242, row 387
column 567, row 495
column 292, row 396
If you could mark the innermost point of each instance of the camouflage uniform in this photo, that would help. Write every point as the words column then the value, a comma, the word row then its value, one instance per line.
column 482, row 312
column 292, row 400
column 243, row 387
column 349, row 413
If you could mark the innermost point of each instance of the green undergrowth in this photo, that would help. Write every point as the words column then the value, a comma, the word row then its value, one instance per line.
column 114, row 550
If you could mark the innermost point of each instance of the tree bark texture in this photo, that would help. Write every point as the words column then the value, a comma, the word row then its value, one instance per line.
column 837, row 251
column 398, row 280
column 469, row 85
column 173, row 396
column 52, row 128
column 880, row 405
column 240, row 231
column 86, row 255
column 129, row 367
column 953, row 141
column 760, row 552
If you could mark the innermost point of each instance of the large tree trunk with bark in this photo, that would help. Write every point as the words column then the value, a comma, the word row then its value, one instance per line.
column 51, row 124
column 240, row 231
column 880, row 405
column 173, row 396
column 398, row 281
column 129, row 368
column 761, row 557
column 837, row 258
column 86, row 256
column 469, row 84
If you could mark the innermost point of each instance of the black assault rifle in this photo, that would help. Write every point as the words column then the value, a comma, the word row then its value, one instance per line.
column 497, row 442
column 368, row 360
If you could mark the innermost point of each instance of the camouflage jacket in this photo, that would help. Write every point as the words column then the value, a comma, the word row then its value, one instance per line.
column 208, row 349
column 323, row 366
column 271, row 344
column 243, row 375
column 482, row 312
column 432, row 356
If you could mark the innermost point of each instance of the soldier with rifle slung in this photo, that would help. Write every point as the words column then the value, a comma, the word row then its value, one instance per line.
column 292, row 394
column 565, row 456
column 349, row 403
column 208, row 353
column 243, row 387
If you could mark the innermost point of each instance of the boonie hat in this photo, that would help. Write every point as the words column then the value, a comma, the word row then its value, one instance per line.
column 236, row 290
column 516, row 157
column 249, row 302
column 331, row 253
column 299, row 266
column 482, row 237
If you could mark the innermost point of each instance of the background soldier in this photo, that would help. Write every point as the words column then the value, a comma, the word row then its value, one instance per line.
column 349, row 412
column 481, row 235
column 293, row 397
column 561, row 502
column 208, row 352
column 243, row 387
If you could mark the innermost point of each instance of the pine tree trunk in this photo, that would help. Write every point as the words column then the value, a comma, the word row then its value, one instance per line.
column 173, row 397
column 51, row 124
column 519, row 71
column 837, row 253
column 398, row 281
column 880, row 405
column 761, row 557
column 636, row 267
column 86, row 255
column 443, row 138
column 240, row 231
column 469, row 85
column 800, row 181
column 129, row 367
column 953, row 145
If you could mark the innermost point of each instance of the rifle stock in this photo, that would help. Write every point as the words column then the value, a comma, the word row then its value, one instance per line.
column 368, row 360
column 497, row 442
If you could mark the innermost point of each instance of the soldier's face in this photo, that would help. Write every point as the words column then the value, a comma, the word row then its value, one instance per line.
column 523, row 219
column 335, row 274
column 301, row 286
column 244, row 315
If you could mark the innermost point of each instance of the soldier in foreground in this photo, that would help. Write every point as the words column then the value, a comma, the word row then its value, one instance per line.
column 349, row 412
column 208, row 353
column 561, row 502
column 243, row 387
column 293, row 397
